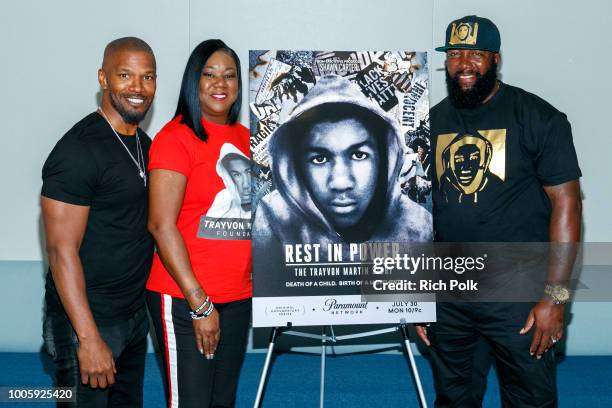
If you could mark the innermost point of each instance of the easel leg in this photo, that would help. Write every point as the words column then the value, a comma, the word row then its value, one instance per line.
column 415, row 371
column 264, row 374
column 323, row 354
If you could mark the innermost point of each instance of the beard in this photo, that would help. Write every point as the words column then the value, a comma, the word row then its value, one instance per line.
column 129, row 117
column 473, row 97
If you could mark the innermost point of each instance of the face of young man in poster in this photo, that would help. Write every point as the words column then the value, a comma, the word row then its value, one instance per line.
column 340, row 166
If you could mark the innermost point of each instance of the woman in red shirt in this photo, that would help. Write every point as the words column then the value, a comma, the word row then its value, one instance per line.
column 199, row 290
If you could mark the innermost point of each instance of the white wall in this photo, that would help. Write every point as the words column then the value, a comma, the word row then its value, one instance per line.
column 52, row 50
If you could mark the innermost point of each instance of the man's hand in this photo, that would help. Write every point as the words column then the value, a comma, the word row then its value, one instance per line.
column 207, row 334
column 421, row 330
column 65, row 226
column 564, row 229
column 548, row 320
column 96, row 363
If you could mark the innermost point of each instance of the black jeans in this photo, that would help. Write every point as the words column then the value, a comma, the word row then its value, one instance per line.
column 127, row 340
column 191, row 380
column 455, row 343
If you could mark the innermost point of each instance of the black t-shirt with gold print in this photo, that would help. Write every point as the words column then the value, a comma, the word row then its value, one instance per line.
column 491, row 164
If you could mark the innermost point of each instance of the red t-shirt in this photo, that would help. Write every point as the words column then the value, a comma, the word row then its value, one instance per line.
column 217, row 239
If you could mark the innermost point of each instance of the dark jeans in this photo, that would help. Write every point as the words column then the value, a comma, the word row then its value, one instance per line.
column 456, row 347
column 192, row 380
column 128, row 341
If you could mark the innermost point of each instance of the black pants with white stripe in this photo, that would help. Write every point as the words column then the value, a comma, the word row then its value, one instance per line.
column 191, row 380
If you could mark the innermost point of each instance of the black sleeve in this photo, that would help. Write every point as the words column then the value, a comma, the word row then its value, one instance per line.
column 556, row 161
column 69, row 174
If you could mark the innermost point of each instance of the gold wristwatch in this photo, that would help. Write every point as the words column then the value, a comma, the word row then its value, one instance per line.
column 559, row 294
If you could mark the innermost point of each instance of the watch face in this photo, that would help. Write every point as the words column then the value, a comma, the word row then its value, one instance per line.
column 560, row 293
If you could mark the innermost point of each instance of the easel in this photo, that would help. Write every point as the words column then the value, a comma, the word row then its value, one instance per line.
column 278, row 331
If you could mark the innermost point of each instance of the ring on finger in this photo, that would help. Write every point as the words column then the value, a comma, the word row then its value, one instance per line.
column 554, row 340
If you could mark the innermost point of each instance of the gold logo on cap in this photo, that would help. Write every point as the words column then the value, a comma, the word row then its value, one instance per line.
column 464, row 33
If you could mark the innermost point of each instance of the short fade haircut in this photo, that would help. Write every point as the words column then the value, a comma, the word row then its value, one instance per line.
column 188, row 106
column 234, row 156
column 127, row 44
column 334, row 112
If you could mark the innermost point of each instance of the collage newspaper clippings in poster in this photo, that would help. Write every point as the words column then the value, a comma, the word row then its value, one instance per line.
column 340, row 149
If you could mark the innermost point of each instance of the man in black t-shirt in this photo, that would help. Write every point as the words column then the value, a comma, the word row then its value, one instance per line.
column 94, row 208
column 505, row 171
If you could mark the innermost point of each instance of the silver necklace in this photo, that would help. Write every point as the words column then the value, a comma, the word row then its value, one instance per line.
column 139, row 160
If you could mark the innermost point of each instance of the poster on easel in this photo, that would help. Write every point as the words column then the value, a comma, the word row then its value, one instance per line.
column 340, row 149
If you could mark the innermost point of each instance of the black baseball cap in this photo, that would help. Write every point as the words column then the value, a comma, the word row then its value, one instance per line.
column 472, row 33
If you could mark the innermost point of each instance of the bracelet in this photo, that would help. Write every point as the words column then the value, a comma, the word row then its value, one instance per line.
column 209, row 310
column 199, row 308
column 204, row 314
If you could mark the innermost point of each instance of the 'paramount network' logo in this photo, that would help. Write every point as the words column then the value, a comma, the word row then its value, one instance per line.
column 333, row 305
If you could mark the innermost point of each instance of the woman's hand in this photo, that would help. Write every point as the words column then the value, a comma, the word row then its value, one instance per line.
column 207, row 334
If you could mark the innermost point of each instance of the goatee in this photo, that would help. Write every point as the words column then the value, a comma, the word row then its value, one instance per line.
column 473, row 97
column 131, row 118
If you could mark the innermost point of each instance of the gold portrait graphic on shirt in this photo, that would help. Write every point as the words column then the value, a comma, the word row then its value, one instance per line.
column 467, row 164
column 463, row 33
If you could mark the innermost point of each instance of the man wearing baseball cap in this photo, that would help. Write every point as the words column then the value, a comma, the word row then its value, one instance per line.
column 505, row 171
